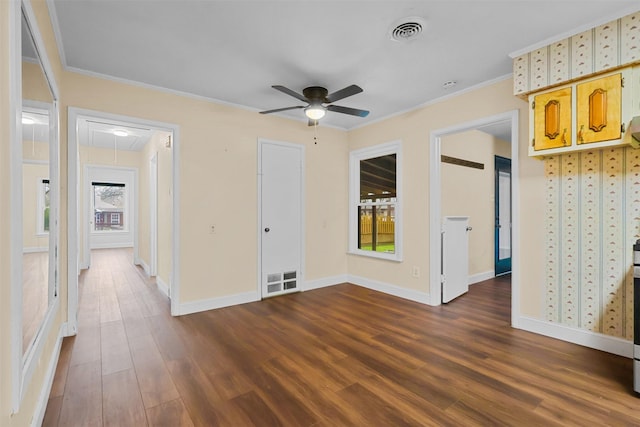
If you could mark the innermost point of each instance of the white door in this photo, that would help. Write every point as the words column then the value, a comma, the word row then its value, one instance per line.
column 455, row 257
column 281, row 183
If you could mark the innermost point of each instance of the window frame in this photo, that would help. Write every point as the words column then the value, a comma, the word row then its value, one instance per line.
column 41, row 206
column 125, row 208
column 393, row 147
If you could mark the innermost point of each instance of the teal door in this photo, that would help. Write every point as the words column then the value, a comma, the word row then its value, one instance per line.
column 503, row 215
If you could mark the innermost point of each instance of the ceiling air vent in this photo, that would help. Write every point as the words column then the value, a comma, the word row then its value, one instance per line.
column 407, row 29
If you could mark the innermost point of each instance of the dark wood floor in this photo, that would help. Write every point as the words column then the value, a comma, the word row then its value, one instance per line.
column 339, row 356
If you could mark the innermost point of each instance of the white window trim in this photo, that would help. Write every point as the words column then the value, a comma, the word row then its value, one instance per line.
column 125, row 210
column 394, row 147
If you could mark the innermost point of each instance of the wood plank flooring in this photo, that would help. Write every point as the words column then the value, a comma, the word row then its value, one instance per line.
column 338, row 356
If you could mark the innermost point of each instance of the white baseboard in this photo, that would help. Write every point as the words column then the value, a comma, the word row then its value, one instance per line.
column 481, row 277
column 43, row 398
column 324, row 282
column 421, row 297
column 162, row 286
column 35, row 249
column 145, row 267
column 95, row 245
column 213, row 303
column 582, row 337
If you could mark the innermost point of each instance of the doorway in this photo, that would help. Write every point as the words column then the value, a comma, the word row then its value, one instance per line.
column 121, row 142
column 280, row 204
column 502, row 240
column 487, row 124
column 111, row 209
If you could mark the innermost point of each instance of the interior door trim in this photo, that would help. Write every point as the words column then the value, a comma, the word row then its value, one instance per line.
column 261, row 227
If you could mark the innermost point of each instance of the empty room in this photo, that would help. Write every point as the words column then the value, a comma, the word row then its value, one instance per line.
column 319, row 213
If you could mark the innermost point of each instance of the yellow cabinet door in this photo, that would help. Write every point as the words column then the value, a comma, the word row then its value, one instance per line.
column 552, row 119
column 599, row 109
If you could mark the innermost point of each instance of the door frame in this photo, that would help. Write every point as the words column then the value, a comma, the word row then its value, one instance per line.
column 301, row 148
column 73, row 206
column 153, row 215
column 131, row 203
column 496, row 242
column 435, row 205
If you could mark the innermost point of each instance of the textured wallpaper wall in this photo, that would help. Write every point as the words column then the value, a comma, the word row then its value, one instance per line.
column 592, row 220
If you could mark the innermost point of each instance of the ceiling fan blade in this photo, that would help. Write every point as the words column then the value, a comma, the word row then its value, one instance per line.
column 343, row 93
column 281, row 109
column 313, row 122
column 290, row 92
column 347, row 110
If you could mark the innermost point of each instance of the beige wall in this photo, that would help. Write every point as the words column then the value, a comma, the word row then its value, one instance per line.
column 34, row 83
column 471, row 192
column 32, row 176
column 218, row 146
column 413, row 129
column 165, row 207
column 34, row 387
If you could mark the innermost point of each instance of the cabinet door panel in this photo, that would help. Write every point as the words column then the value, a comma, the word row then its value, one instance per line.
column 599, row 109
column 552, row 119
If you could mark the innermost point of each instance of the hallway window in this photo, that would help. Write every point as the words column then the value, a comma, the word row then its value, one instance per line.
column 374, row 211
column 109, row 206
column 44, row 206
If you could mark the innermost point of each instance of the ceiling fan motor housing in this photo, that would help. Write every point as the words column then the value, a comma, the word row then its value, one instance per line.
column 313, row 93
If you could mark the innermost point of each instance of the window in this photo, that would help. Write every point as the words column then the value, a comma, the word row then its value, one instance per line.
column 109, row 205
column 44, row 205
column 375, row 220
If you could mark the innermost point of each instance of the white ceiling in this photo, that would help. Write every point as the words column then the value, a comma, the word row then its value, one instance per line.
column 233, row 51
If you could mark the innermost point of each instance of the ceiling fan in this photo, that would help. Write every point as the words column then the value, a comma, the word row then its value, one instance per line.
column 315, row 97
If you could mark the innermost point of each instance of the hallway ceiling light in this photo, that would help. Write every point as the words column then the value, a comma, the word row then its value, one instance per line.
column 120, row 133
column 27, row 120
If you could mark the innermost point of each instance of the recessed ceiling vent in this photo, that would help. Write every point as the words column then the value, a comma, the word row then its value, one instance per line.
column 407, row 29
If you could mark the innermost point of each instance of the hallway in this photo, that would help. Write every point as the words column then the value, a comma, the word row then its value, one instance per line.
column 112, row 370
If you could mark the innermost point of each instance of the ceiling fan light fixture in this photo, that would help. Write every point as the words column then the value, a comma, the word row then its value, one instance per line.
column 315, row 111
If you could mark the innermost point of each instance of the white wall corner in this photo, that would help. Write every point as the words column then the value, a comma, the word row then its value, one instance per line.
column 213, row 303
column 481, row 277
column 161, row 284
column 409, row 294
column 582, row 337
column 310, row 285
column 43, row 398
column 139, row 261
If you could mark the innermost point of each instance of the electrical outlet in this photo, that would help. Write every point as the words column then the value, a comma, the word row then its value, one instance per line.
column 415, row 272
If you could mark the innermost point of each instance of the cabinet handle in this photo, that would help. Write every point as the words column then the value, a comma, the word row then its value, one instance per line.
column 580, row 138
column 564, row 137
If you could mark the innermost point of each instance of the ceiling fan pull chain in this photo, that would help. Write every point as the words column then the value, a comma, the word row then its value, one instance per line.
column 315, row 133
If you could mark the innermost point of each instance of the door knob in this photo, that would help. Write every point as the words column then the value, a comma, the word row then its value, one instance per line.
column 266, row 230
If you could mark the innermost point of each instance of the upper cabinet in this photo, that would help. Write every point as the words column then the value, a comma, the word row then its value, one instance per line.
column 552, row 119
column 587, row 114
column 599, row 109
column 583, row 90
